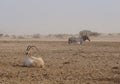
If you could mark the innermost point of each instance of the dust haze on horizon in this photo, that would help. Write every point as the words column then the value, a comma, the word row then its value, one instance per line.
column 59, row 16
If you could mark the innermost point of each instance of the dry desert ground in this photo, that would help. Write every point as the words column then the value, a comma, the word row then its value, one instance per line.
column 95, row 62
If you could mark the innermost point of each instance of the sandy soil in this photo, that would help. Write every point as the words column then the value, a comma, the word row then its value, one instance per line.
column 90, row 63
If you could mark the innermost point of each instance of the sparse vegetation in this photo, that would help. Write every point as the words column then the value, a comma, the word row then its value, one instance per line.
column 6, row 35
column 110, row 34
column 93, row 63
column 14, row 36
column 88, row 32
column 36, row 36
column 1, row 35
column 21, row 37
column 61, row 36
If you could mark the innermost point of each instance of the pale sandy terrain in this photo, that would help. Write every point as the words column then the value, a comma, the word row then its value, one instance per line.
column 107, row 38
column 95, row 62
column 103, row 38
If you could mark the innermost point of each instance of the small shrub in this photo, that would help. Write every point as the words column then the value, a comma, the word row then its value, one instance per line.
column 20, row 37
column 1, row 35
column 6, row 35
column 36, row 36
column 88, row 32
column 14, row 37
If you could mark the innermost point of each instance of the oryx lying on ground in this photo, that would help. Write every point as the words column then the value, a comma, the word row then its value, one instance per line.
column 32, row 61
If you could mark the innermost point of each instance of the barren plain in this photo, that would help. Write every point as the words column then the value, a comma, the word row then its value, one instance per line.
column 95, row 62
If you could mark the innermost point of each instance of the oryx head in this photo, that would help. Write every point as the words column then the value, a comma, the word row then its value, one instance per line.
column 27, row 52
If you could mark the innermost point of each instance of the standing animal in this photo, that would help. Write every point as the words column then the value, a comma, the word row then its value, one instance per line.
column 79, row 39
column 32, row 61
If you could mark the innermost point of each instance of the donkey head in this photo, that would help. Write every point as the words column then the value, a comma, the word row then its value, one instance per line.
column 85, row 37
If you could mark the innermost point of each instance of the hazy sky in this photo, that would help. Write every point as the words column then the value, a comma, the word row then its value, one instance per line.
column 59, row 16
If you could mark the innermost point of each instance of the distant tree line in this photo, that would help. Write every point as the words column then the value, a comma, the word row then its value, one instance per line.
column 1, row 35
column 88, row 32
column 60, row 36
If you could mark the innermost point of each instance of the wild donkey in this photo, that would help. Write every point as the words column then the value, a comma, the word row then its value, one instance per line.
column 79, row 39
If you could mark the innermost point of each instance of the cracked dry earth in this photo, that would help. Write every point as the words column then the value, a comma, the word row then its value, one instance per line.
column 90, row 63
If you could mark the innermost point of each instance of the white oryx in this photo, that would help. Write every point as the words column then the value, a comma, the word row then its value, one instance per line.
column 32, row 61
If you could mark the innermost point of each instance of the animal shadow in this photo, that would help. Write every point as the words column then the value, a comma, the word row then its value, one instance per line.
column 19, row 65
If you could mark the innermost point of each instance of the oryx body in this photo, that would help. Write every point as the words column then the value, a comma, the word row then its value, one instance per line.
column 31, row 60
